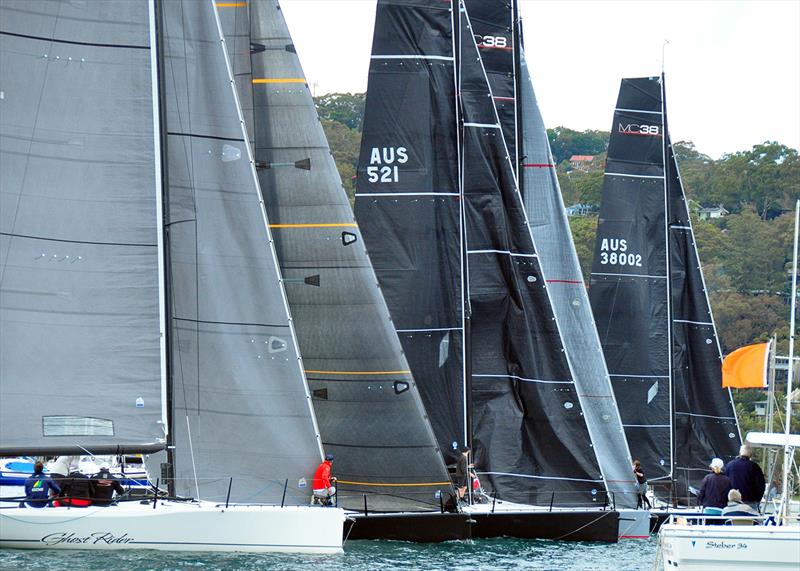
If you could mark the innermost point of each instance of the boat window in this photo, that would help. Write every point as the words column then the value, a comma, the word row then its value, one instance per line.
column 76, row 426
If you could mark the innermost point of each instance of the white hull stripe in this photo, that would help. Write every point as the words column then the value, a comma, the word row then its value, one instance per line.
column 692, row 322
column 631, row 275
column 483, row 125
column 423, row 330
column 524, row 379
column 634, row 175
column 412, row 56
column 705, row 416
column 538, row 477
column 407, row 194
column 506, row 252
column 639, row 111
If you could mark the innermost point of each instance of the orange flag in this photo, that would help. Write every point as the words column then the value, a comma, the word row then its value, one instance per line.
column 746, row 368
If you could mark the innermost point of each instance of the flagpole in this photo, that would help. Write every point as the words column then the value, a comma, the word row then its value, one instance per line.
column 788, row 452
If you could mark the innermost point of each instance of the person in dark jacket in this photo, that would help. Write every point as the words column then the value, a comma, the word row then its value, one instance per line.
column 104, row 484
column 463, row 469
column 38, row 488
column 76, row 491
column 715, row 487
column 747, row 477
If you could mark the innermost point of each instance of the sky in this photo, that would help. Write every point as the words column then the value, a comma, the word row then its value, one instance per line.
column 732, row 67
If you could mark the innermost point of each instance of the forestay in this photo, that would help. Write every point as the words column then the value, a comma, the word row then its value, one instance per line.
column 80, row 349
column 240, row 402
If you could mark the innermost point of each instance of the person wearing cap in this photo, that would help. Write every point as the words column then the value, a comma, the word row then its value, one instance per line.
column 714, row 489
column 38, row 488
column 104, row 484
column 747, row 477
column 323, row 489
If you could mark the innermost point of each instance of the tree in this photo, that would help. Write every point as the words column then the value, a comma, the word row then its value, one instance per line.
column 584, row 230
column 344, row 108
column 565, row 142
column 344, row 144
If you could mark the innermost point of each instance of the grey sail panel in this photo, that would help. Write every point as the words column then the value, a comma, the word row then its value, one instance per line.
column 559, row 261
column 530, row 436
column 80, row 355
column 240, row 402
column 368, row 408
column 629, row 286
column 407, row 201
column 705, row 421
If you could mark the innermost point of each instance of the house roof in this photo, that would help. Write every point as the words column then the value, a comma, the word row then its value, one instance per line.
column 581, row 158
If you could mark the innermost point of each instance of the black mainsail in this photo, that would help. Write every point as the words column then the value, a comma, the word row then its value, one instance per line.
column 497, row 30
column 650, row 304
column 444, row 222
column 368, row 407
column 80, row 238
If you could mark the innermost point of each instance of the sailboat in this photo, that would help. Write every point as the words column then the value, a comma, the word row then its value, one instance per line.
column 650, row 304
column 142, row 306
column 368, row 407
column 444, row 223
column 767, row 542
column 528, row 146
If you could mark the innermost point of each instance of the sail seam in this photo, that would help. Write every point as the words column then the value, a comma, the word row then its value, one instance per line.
column 401, row 56
column 483, row 125
column 91, row 242
column 200, row 136
column 633, row 175
column 407, row 194
column 692, row 322
column 639, row 111
column 540, row 477
column 705, row 415
column 74, row 42
column 638, row 376
column 507, row 376
column 209, row 322
column 647, row 425
column 517, row 254
column 434, row 329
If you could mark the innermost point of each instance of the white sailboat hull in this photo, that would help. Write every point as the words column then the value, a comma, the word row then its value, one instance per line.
column 694, row 547
column 175, row 526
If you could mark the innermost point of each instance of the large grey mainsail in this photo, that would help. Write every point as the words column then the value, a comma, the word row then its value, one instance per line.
column 80, row 340
column 548, row 222
column 369, row 411
column 239, row 398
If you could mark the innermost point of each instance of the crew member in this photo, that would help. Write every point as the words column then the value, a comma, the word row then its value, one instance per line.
column 104, row 484
column 714, row 489
column 747, row 477
column 323, row 489
column 38, row 487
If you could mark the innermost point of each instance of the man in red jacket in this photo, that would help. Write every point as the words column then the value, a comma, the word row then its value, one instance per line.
column 323, row 489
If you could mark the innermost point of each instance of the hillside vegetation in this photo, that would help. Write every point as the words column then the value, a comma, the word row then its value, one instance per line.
column 746, row 255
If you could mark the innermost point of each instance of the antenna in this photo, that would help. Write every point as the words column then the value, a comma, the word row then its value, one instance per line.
column 663, row 49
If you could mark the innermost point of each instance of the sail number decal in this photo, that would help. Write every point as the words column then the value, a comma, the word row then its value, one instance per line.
column 614, row 252
column 635, row 129
column 383, row 163
column 491, row 41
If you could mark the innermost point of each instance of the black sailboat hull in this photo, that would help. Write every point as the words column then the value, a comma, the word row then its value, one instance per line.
column 437, row 527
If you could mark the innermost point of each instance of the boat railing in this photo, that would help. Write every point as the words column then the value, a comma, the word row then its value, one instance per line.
column 734, row 519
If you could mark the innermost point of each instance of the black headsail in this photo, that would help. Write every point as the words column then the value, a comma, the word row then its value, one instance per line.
column 369, row 410
column 446, row 223
column 649, row 302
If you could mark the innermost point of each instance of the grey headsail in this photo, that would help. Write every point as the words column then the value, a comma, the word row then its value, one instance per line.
column 649, row 302
column 548, row 222
column 444, row 222
column 239, row 399
column 80, row 336
column 368, row 408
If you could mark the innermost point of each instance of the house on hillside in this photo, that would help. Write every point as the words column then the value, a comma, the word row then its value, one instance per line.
column 579, row 209
column 581, row 162
column 712, row 212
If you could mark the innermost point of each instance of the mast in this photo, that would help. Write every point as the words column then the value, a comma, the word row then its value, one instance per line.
column 788, row 452
column 519, row 133
column 162, row 207
column 667, row 261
